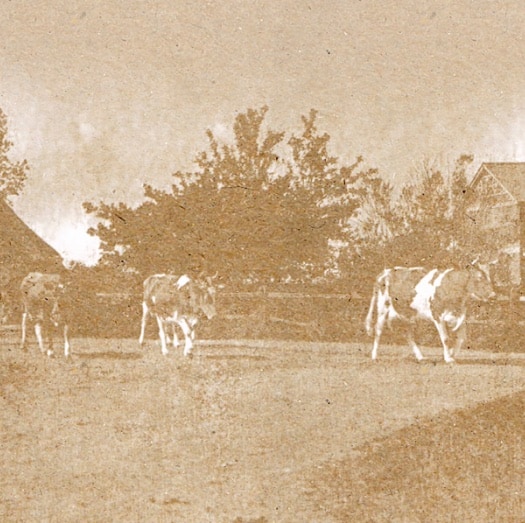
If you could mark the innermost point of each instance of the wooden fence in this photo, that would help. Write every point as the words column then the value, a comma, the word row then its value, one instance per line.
column 290, row 316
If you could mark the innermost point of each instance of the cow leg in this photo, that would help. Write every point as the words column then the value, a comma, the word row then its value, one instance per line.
column 171, row 336
column 188, row 335
column 442, row 330
column 461, row 334
column 413, row 344
column 24, row 331
column 145, row 312
column 38, row 333
column 380, row 323
column 66, row 341
column 192, row 324
column 174, row 334
column 49, row 332
column 162, row 336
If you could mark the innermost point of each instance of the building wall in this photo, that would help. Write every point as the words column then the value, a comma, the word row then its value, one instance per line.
column 502, row 219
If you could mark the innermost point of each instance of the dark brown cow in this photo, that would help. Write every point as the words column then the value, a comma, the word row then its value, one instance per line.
column 437, row 296
column 41, row 297
column 176, row 300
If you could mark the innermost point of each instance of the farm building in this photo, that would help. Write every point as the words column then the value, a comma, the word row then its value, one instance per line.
column 497, row 204
column 22, row 251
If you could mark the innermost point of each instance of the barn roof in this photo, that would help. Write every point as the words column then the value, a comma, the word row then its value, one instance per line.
column 21, row 249
column 511, row 175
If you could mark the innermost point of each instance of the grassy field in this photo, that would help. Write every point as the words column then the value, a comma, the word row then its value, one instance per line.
column 260, row 432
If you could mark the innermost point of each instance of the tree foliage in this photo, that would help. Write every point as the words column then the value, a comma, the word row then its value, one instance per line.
column 267, row 206
column 424, row 225
column 259, row 208
column 12, row 174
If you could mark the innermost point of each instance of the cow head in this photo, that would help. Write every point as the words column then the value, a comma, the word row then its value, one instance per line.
column 479, row 283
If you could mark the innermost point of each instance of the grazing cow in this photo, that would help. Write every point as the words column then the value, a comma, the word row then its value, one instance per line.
column 439, row 296
column 41, row 298
column 177, row 300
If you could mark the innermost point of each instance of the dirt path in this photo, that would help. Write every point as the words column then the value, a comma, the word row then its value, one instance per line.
column 237, row 432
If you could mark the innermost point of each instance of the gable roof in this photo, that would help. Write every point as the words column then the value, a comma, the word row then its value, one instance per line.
column 511, row 176
column 21, row 249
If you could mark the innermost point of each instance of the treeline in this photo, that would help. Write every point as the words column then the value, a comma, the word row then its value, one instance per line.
column 271, row 208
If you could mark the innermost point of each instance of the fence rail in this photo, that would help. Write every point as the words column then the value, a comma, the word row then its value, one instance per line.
column 285, row 315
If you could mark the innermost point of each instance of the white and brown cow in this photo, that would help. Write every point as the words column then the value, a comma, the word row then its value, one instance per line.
column 439, row 296
column 177, row 300
column 41, row 298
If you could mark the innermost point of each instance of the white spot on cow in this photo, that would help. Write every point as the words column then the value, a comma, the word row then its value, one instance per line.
column 183, row 280
column 452, row 320
column 439, row 279
column 425, row 291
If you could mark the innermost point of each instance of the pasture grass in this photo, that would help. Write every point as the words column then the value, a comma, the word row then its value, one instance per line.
column 119, row 433
column 463, row 466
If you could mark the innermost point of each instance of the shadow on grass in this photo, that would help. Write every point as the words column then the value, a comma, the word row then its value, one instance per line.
column 495, row 362
column 255, row 357
column 467, row 465
column 110, row 355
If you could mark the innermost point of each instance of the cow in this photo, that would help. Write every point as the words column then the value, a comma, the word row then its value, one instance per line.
column 439, row 296
column 176, row 300
column 41, row 299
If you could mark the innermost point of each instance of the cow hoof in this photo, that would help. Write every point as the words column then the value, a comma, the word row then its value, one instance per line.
column 450, row 360
column 50, row 353
column 189, row 355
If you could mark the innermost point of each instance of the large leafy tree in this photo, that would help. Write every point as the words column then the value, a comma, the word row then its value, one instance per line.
column 259, row 208
column 12, row 174
column 431, row 212
column 425, row 224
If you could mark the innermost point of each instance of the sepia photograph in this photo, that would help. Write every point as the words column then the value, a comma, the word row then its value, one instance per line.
column 261, row 261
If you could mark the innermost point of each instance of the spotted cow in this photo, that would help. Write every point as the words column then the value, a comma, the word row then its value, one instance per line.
column 42, row 295
column 177, row 300
column 439, row 296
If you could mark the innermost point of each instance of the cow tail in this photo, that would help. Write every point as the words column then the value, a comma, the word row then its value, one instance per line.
column 370, row 316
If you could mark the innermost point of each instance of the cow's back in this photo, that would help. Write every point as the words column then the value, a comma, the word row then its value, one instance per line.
column 451, row 293
column 459, row 286
column 37, row 287
column 41, row 294
column 401, row 287
column 150, row 285
column 163, row 294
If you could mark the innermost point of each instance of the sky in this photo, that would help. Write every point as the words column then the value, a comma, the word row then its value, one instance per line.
column 104, row 96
